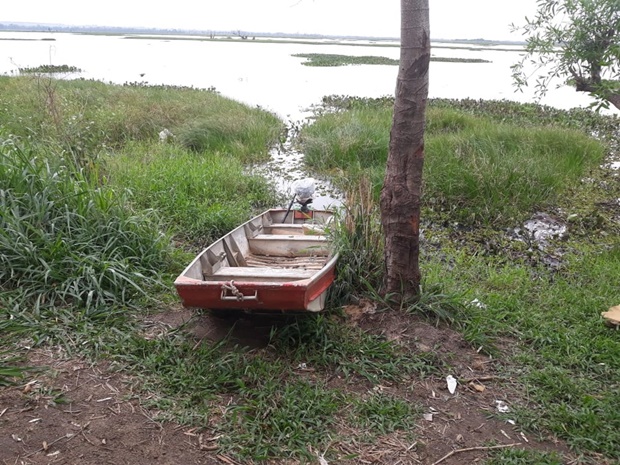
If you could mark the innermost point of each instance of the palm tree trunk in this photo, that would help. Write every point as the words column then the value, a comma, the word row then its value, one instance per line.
column 400, row 196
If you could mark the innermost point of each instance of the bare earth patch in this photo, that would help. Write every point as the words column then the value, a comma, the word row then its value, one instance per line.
column 76, row 413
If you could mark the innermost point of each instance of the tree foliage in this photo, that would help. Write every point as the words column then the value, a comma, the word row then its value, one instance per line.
column 575, row 40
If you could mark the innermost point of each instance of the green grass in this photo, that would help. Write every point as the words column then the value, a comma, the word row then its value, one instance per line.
column 65, row 241
column 199, row 197
column 276, row 411
column 523, row 457
column 89, row 201
column 88, row 118
column 553, row 340
column 477, row 169
column 383, row 414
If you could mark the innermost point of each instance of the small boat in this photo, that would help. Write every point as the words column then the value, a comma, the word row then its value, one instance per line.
column 280, row 260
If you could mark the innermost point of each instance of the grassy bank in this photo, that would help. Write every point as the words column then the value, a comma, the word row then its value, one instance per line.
column 192, row 180
column 98, row 215
column 92, row 198
column 478, row 168
column 489, row 167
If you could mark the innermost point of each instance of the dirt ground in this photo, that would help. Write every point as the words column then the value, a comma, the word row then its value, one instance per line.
column 102, row 422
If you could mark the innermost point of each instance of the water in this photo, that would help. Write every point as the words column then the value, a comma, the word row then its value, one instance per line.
column 267, row 75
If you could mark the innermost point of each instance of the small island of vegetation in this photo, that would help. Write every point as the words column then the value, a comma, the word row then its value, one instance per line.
column 327, row 59
column 50, row 69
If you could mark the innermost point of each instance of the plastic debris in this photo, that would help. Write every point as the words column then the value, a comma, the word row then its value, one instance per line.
column 451, row 383
column 304, row 188
column 477, row 303
column 165, row 135
column 428, row 416
column 502, row 407
column 612, row 316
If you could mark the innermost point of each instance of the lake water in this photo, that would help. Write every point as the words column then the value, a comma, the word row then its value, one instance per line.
column 266, row 74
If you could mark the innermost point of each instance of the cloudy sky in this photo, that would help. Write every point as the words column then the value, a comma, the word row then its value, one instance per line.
column 450, row 19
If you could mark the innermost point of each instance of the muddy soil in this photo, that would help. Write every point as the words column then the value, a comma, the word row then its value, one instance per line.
column 81, row 413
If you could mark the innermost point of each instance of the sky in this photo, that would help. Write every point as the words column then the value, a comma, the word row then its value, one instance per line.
column 450, row 19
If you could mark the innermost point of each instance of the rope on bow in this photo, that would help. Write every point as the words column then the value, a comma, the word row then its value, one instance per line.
column 233, row 289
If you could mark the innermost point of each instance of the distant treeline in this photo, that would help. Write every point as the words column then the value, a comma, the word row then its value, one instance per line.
column 33, row 27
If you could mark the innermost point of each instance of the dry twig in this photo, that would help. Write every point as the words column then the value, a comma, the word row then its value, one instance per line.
column 469, row 449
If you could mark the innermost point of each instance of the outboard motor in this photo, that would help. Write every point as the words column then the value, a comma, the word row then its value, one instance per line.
column 303, row 191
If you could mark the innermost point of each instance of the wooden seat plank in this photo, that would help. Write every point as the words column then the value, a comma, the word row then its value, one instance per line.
column 249, row 273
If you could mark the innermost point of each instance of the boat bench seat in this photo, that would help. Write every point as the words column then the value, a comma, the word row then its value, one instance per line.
column 295, row 229
column 291, row 237
column 241, row 273
column 289, row 245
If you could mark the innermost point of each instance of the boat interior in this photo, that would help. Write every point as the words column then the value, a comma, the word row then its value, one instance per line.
column 273, row 247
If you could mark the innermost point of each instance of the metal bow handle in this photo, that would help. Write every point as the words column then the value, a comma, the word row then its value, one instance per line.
column 236, row 293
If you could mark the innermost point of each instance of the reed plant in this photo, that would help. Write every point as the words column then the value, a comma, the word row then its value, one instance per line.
column 359, row 240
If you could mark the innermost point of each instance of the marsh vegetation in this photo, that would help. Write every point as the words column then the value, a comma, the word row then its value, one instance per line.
column 326, row 59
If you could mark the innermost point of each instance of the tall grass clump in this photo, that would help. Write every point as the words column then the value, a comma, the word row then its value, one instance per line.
column 349, row 145
column 198, row 196
column 66, row 241
column 359, row 241
column 245, row 133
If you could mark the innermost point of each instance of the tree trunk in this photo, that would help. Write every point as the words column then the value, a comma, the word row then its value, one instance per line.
column 400, row 196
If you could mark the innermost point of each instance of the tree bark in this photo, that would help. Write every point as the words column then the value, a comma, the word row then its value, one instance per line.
column 402, row 187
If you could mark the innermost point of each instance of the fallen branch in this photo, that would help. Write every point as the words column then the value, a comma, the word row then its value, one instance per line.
column 469, row 449
column 67, row 436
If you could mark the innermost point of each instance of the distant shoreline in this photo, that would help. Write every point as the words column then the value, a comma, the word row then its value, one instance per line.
column 240, row 35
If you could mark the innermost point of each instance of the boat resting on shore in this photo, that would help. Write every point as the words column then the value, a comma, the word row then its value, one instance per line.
column 280, row 260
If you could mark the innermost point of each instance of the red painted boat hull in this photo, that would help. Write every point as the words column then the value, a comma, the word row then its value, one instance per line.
column 276, row 296
column 219, row 278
